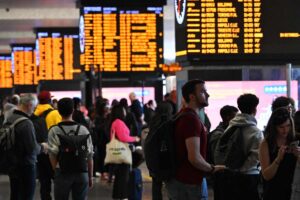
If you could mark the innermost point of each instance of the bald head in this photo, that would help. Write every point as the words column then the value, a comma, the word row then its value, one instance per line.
column 132, row 96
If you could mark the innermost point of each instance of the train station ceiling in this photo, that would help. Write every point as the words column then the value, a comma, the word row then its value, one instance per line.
column 18, row 18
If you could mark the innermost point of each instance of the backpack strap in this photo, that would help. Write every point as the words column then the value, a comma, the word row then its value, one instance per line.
column 12, row 127
column 63, row 130
column 20, row 119
column 46, row 112
column 77, row 130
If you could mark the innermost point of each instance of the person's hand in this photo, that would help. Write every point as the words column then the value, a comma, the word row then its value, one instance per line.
column 281, row 153
column 296, row 151
column 219, row 168
column 91, row 182
column 137, row 139
column 45, row 147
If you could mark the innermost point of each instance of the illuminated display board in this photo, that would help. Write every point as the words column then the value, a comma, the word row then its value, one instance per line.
column 57, row 53
column 24, row 64
column 6, row 80
column 239, row 31
column 140, row 3
column 121, row 39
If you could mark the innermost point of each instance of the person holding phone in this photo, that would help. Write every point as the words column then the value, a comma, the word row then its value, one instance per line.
column 278, row 154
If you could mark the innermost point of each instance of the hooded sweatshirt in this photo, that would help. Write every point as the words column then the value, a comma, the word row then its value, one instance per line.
column 52, row 118
column 252, row 139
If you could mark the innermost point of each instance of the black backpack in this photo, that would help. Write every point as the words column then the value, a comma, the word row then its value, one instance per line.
column 73, row 151
column 229, row 150
column 8, row 156
column 212, row 140
column 41, row 134
column 160, row 150
column 40, row 125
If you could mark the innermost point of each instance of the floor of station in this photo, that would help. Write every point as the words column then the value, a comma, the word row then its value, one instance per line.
column 101, row 190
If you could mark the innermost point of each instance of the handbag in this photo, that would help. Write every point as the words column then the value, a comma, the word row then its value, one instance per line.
column 117, row 152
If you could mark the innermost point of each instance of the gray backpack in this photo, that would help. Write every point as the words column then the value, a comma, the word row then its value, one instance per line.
column 229, row 150
column 8, row 157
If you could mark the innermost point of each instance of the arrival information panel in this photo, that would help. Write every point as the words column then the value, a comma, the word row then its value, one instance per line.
column 122, row 39
column 6, row 80
column 237, row 30
column 58, row 54
column 24, row 64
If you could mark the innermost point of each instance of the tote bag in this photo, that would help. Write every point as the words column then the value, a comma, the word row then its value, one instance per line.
column 117, row 152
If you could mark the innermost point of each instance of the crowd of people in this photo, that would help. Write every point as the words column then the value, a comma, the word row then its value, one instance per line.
column 43, row 152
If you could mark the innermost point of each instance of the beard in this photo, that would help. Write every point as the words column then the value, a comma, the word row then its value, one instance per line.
column 202, row 103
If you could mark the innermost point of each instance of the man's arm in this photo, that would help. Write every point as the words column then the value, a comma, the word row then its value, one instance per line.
column 28, row 140
column 195, row 158
column 53, row 144
column 90, row 160
column 53, row 161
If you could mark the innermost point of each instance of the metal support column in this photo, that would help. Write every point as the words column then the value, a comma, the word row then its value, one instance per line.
column 288, row 79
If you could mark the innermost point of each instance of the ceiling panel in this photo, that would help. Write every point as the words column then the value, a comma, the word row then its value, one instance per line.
column 28, row 25
column 37, row 4
column 18, row 18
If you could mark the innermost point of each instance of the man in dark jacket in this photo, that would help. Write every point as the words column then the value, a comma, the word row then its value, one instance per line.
column 227, row 113
column 77, row 115
column 137, row 110
column 22, row 177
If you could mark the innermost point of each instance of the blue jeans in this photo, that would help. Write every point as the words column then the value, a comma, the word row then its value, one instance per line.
column 78, row 183
column 181, row 191
column 204, row 193
column 22, row 183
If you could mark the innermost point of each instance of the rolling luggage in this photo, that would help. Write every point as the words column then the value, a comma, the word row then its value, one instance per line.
column 135, row 184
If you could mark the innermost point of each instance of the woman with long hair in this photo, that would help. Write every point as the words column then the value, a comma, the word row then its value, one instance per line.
column 277, row 156
column 122, row 133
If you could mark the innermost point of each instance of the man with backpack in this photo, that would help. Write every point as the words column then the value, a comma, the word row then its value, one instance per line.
column 190, row 142
column 22, row 174
column 44, row 114
column 227, row 113
column 71, row 155
column 242, row 156
column 52, row 116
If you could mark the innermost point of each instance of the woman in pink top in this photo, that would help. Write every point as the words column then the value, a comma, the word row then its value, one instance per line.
column 122, row 133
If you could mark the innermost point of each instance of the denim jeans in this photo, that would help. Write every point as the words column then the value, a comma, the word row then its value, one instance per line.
column 204, row 192
column 180, row 191
column 22, row 183
column 77, row 183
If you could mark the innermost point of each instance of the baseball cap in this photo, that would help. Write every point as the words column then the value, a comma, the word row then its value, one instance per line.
column 44, row 96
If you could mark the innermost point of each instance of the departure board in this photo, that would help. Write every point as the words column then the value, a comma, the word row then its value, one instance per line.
column 24, row 64
column 120, row 3
column 57, row 53
column 6, row 80
column 237, row 31
column 121, row 39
